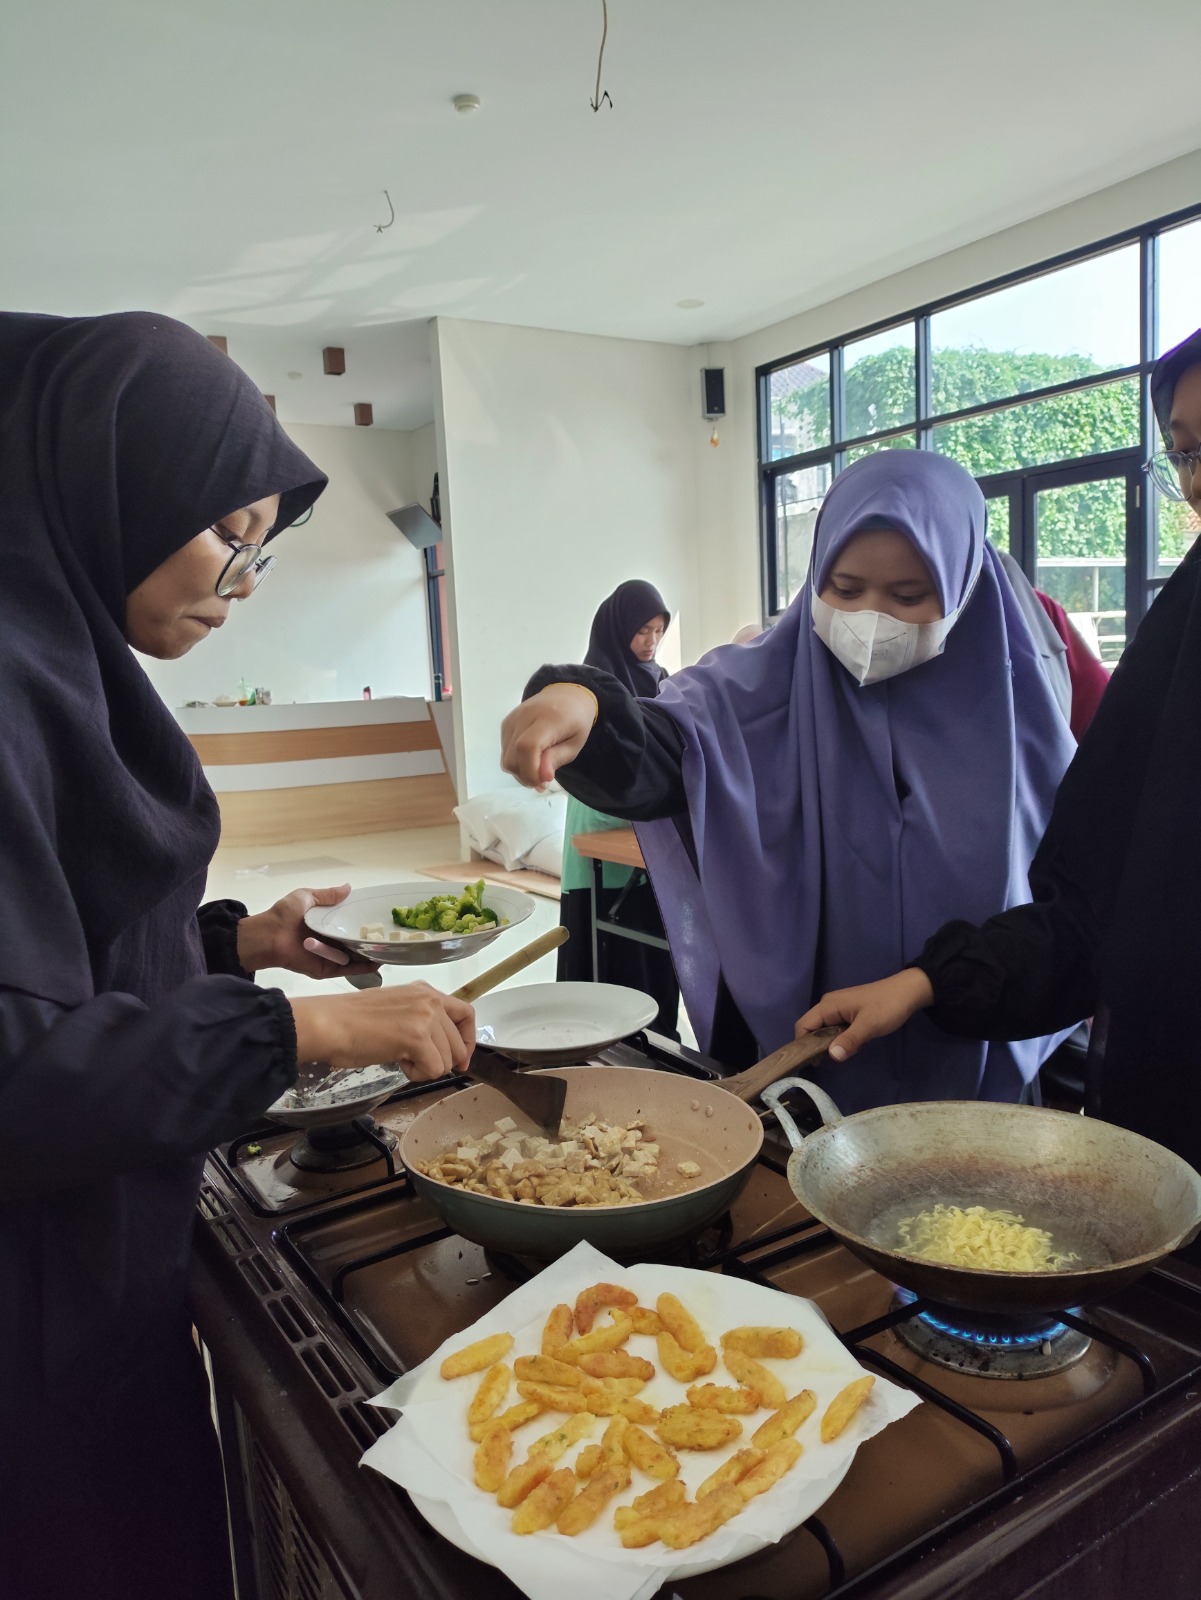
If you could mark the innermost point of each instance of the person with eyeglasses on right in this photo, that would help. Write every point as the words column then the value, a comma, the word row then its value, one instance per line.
column 1114, row 930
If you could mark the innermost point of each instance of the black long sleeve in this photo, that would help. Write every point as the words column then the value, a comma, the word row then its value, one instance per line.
column 114, row 1085
column 218, row 923
column 1029, row 971
column 631, row 765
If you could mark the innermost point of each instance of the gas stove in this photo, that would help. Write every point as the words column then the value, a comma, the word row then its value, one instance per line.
column 1052, row 1458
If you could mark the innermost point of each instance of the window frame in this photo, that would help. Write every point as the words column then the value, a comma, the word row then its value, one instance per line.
column 1142, row 584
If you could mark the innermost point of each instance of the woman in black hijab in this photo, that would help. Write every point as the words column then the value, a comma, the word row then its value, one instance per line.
column 1112, row 932
column 626, row 633
column 143, row 473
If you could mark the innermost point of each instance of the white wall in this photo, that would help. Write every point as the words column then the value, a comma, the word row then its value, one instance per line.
column 345, row 604
column 568, row 467
column 727, row 479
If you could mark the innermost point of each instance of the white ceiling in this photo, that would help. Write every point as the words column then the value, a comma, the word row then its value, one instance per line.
column 224, row 160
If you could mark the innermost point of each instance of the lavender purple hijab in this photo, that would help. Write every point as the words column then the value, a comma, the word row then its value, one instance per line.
column 811, row 873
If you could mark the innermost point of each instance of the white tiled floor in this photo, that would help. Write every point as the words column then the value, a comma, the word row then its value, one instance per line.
column 258, row 875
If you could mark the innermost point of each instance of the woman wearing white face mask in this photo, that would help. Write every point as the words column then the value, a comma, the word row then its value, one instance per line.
column 891, row 745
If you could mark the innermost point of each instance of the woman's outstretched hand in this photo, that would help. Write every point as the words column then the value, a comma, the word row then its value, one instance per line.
column 869, row 1011
column 546, row 732
column 428, row 1032
column 279, row 938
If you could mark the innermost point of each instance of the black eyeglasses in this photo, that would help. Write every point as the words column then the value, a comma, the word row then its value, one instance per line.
column 245, row 558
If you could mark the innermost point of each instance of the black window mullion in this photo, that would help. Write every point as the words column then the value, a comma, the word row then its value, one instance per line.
column 921, row 366
column 837, row 396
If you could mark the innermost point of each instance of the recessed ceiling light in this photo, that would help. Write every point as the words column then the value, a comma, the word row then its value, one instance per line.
column 690, row 305
column 296, row 374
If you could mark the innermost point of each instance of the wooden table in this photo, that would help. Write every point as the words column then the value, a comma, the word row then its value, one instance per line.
column 618, row 846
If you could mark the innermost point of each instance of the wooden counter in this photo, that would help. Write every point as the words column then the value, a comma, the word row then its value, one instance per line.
column 318, row 771
column 616, row 845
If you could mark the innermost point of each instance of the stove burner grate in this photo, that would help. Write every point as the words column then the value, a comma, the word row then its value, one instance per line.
column 342, row 1146
column 989, row 1346
column 693, row 1251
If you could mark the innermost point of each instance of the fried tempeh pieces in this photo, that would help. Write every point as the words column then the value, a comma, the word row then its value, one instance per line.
column 598, row 1341
column 732, row 1470
column 492, row 1457
column 680, row 1323
column 648, row 1455
column 583, row 1511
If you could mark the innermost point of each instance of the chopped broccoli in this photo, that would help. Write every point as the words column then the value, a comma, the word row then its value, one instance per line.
column 449, row 913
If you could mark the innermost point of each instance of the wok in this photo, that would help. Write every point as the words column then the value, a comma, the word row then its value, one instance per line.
column 692, row 1120
column 1119, row 1200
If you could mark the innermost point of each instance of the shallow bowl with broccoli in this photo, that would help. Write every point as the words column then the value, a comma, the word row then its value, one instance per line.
column 422, row 922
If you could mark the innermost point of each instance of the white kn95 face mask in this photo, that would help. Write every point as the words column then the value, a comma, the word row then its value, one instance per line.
column 873, row 646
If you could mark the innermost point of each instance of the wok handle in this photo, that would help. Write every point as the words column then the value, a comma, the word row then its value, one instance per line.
column 747, row 1085
column 827, row 1110
column 511, row 965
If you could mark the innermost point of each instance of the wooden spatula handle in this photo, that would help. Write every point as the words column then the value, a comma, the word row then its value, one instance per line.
column 747, row 1085
column 511, row 965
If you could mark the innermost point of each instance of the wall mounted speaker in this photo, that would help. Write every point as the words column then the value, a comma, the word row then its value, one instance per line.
column 713, row 384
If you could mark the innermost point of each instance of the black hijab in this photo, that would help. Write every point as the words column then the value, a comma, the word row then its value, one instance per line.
column 122, row 438
column 1166, row 374
column 1127, row 831
column 630, row 607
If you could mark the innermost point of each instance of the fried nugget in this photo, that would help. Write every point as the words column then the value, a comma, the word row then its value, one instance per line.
column 494, row 1386
column 588, row 1460
column 645, row 1320
column 591, row 1501
column 752, row 1375
column 715, row 1397
column 844, row 1406
column 731, row 1470
column 558, row 1329
column 685, row 1366
column 647, row 1454
column 492, row 1457
column 545, row 1369
column 688, row 1524
column 477, row 1357
column 779, row 1343
column 547, row 1502
column 515, row 1417
column 785, row 1422
column 782, row 1455
column 589, row 1301
column 686, row 1428
column 615, row 1364
column 598, row 1341
column 680, row 1323
column 551, row 1398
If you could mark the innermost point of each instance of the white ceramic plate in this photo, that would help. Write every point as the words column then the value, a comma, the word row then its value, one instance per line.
column 444, row 1521
column 555, row 1024
column 366, row 908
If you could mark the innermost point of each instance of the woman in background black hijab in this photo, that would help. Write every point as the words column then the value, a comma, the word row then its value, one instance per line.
column 626, row 633
column 142, row 473
column 1113, row 930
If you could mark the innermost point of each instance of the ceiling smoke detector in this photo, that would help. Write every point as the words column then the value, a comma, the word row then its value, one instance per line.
column 465, row 104
column 690, row 305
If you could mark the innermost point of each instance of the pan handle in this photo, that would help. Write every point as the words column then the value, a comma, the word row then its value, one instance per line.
column 827, row 1110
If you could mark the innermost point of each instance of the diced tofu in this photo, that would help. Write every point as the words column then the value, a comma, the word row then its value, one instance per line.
column 505, row 1125
column 688, row 1169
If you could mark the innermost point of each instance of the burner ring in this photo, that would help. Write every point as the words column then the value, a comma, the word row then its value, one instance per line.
column 987, row 1346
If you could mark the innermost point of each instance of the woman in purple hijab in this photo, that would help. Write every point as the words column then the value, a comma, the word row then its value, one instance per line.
column 886, row 755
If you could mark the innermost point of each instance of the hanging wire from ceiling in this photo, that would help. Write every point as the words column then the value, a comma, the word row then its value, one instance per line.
column 598, row 99
column 380, row 226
